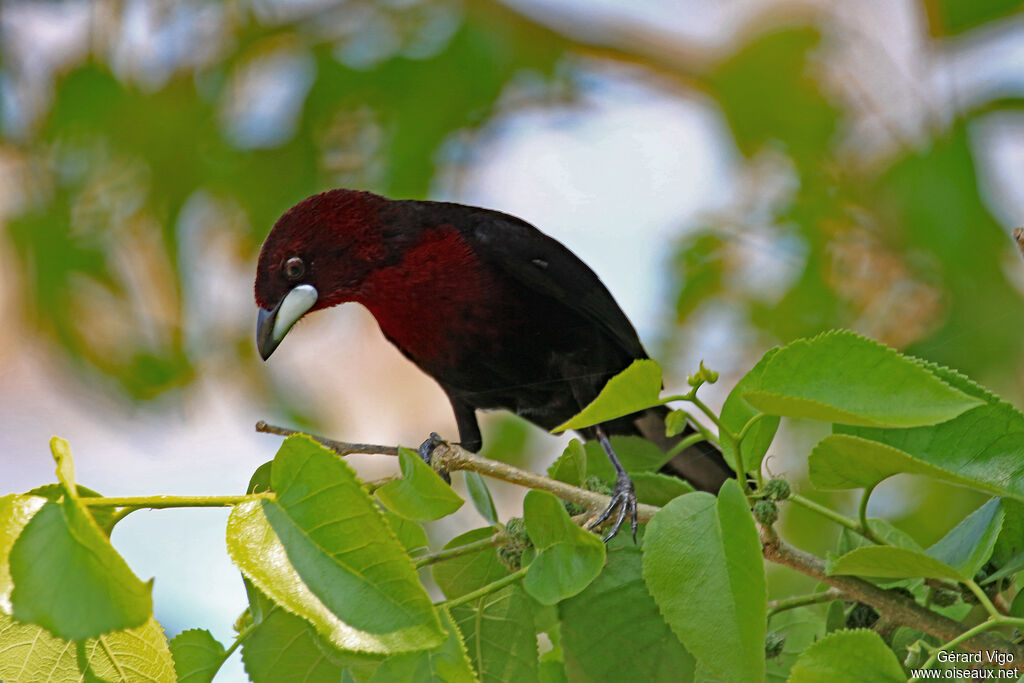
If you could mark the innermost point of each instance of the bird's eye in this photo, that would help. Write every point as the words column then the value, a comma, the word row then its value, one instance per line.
column 294, row 268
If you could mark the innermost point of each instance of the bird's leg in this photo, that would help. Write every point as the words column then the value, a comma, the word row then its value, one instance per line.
column 623, row 495
column 426, row 451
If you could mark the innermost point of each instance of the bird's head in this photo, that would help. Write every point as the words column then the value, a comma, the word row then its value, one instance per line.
column 316, row 256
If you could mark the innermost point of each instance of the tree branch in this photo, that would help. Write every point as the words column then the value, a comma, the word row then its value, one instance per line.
column 892, row 606
column 451, row 457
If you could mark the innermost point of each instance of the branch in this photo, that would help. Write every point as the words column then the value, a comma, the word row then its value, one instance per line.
column 451, row 457
column 892, row 606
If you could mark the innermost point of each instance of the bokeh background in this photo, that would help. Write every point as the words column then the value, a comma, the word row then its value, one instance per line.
column 739, row 172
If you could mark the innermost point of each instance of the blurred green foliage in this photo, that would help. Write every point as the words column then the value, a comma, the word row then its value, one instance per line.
column 113, row 156
column 902, row 248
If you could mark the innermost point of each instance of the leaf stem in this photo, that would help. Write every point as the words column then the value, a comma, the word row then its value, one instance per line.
column 241, row 638
column 776, row 606
column 836, row 517
column 983, row 599
column 862, row 514
column 750, row 423
column 484, row 590
column 460, row 550
column 724, row 433
column 696, row 437
column 162, row 502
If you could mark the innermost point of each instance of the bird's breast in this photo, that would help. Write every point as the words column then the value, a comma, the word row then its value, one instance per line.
column 437, row 301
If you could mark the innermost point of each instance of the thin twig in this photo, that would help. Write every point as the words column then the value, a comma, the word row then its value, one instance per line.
column 460, row 550
column 339, row 447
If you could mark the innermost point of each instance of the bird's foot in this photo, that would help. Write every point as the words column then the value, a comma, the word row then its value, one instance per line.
column 426, row 451
column 623, row 499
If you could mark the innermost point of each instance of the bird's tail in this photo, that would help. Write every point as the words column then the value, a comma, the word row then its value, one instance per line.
column 701, row 464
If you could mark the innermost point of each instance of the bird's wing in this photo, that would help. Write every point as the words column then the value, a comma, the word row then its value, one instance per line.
column 546, row 266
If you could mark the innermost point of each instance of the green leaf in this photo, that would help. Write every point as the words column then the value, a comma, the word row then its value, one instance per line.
column 768, row 93
column 283, row 649
column 420, row 494
column 842, row 377
column 843, row 461
column 409, row 533
column 849, row 539
column 949, row 17
column 710, row 588
column 66, row 576
column 980, row 449
column 460, row 575
column 481, row 497
column 634, row 389
column 699, row 264
column 571, row 465
column 958, row 555
column 736, row 412
column 70, row 580
column 658, row 489
column 568, row 557
column 323, row 550
column 969, row 544
column 613, row 631
column 1010, row 543
column 500, row 637
column 888, row 562
column 30, row 653
column 197, row 656
column 801, row 627
column 448, row 662
column 15, row 512
column 676, row 422
column 552, row 671
column 848, row 657
column 1012, row 566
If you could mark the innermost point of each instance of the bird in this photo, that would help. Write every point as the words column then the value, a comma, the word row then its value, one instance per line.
column 499, row 314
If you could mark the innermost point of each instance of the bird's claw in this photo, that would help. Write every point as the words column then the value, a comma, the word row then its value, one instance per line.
column 624, row 499
column 426, row 451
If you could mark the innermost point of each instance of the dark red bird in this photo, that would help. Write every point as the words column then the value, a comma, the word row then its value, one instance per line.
column 497, row 312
